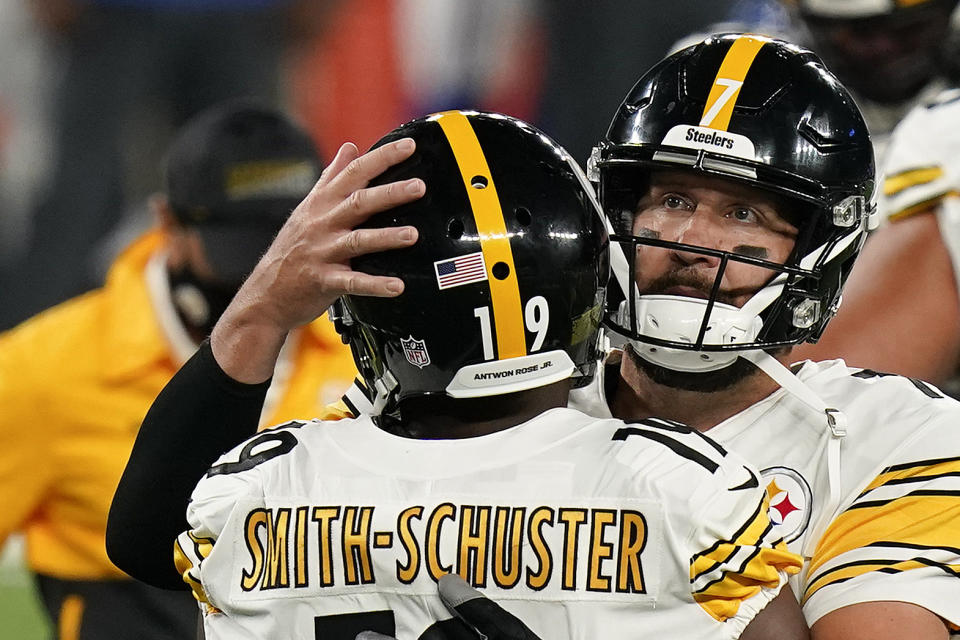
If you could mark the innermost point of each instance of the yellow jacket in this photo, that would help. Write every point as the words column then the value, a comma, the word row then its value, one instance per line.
column 75, row 383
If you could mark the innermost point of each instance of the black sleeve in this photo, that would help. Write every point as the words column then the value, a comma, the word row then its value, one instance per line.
column 200, row 414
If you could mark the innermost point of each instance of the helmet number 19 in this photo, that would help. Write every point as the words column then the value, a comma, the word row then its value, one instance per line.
column 536, row 316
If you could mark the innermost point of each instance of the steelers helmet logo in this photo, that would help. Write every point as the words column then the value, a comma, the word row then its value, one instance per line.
column 790, row 499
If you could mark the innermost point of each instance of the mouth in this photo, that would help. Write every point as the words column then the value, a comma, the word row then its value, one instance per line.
column 686, row 292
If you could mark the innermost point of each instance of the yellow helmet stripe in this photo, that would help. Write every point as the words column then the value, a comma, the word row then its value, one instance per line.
column 729, row 80
column 494, row 242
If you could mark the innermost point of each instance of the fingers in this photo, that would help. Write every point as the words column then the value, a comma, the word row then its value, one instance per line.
column 477, row 611
column 363, row 284
column 360, row 171
column 363, row 203
column 363, row 241
column 346, row 154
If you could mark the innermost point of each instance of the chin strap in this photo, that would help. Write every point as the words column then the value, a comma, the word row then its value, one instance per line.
column 835, row 419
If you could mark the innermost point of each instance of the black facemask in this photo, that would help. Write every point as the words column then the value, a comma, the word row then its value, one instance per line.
column 199, row 303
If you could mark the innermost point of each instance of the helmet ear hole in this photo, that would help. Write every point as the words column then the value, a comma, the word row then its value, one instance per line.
column 455, row 229
column 524, row 218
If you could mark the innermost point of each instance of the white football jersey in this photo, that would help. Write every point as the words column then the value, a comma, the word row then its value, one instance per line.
column 583, row 528
column 884, row 524
column 923, row 168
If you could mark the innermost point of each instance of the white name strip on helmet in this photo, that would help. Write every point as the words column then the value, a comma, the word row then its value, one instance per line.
column 511, row 375
column 693, row 137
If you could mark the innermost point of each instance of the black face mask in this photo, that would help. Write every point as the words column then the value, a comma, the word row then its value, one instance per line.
column 199, row 303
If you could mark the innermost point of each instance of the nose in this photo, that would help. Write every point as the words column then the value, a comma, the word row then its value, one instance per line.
column 698, row 229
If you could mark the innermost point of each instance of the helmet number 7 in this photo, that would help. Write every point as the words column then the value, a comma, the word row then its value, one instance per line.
column 536, row 316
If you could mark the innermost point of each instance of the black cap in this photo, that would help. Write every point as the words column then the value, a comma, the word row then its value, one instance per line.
column 234, row 173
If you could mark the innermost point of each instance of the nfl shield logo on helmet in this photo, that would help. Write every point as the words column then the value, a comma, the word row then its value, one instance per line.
column 415, row 351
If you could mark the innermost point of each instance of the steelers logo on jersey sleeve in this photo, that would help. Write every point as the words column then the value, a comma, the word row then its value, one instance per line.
column 790, row 501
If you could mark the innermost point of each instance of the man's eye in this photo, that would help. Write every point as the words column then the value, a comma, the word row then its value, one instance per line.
column 744, row 215
column 673, row 202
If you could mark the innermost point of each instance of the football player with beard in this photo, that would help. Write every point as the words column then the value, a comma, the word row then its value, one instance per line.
column 739, row 176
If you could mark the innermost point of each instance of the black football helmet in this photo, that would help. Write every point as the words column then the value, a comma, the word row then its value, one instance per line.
column 884, row 50
column 764, row 113
column 504, row 287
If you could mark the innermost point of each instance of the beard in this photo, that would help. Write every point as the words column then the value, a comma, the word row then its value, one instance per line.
column 688, row 277
column 704, row 382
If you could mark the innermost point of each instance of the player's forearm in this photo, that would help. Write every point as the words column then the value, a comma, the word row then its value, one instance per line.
column 245, row 343
column 200, row 413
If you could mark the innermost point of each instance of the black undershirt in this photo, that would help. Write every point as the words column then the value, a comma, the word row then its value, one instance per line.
column 201, row 413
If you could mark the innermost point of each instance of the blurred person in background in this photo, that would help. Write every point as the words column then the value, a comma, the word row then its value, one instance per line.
column 890, row 54
column 127, row 74
column 901, row 310
column 76, row 380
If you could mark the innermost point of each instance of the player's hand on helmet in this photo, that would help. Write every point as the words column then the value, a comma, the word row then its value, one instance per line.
column 480, row 613
column 308, row 265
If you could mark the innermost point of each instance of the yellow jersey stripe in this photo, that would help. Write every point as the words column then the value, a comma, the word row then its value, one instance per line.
column 730, row 77
column 897, row 182
column 722, row 598
column 752, row 532
column 203, row 546
column 854, row 569
column 184, row 565
column 915, row 472
column 181, row 560
column 71, row 618
column 494, row 241
column 922, row 206
column 927, row 520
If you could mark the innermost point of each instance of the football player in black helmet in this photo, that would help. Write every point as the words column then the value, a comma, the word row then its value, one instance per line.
column 763, row 265
column 530, row 221
column 544, row 325
column 740, row 177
